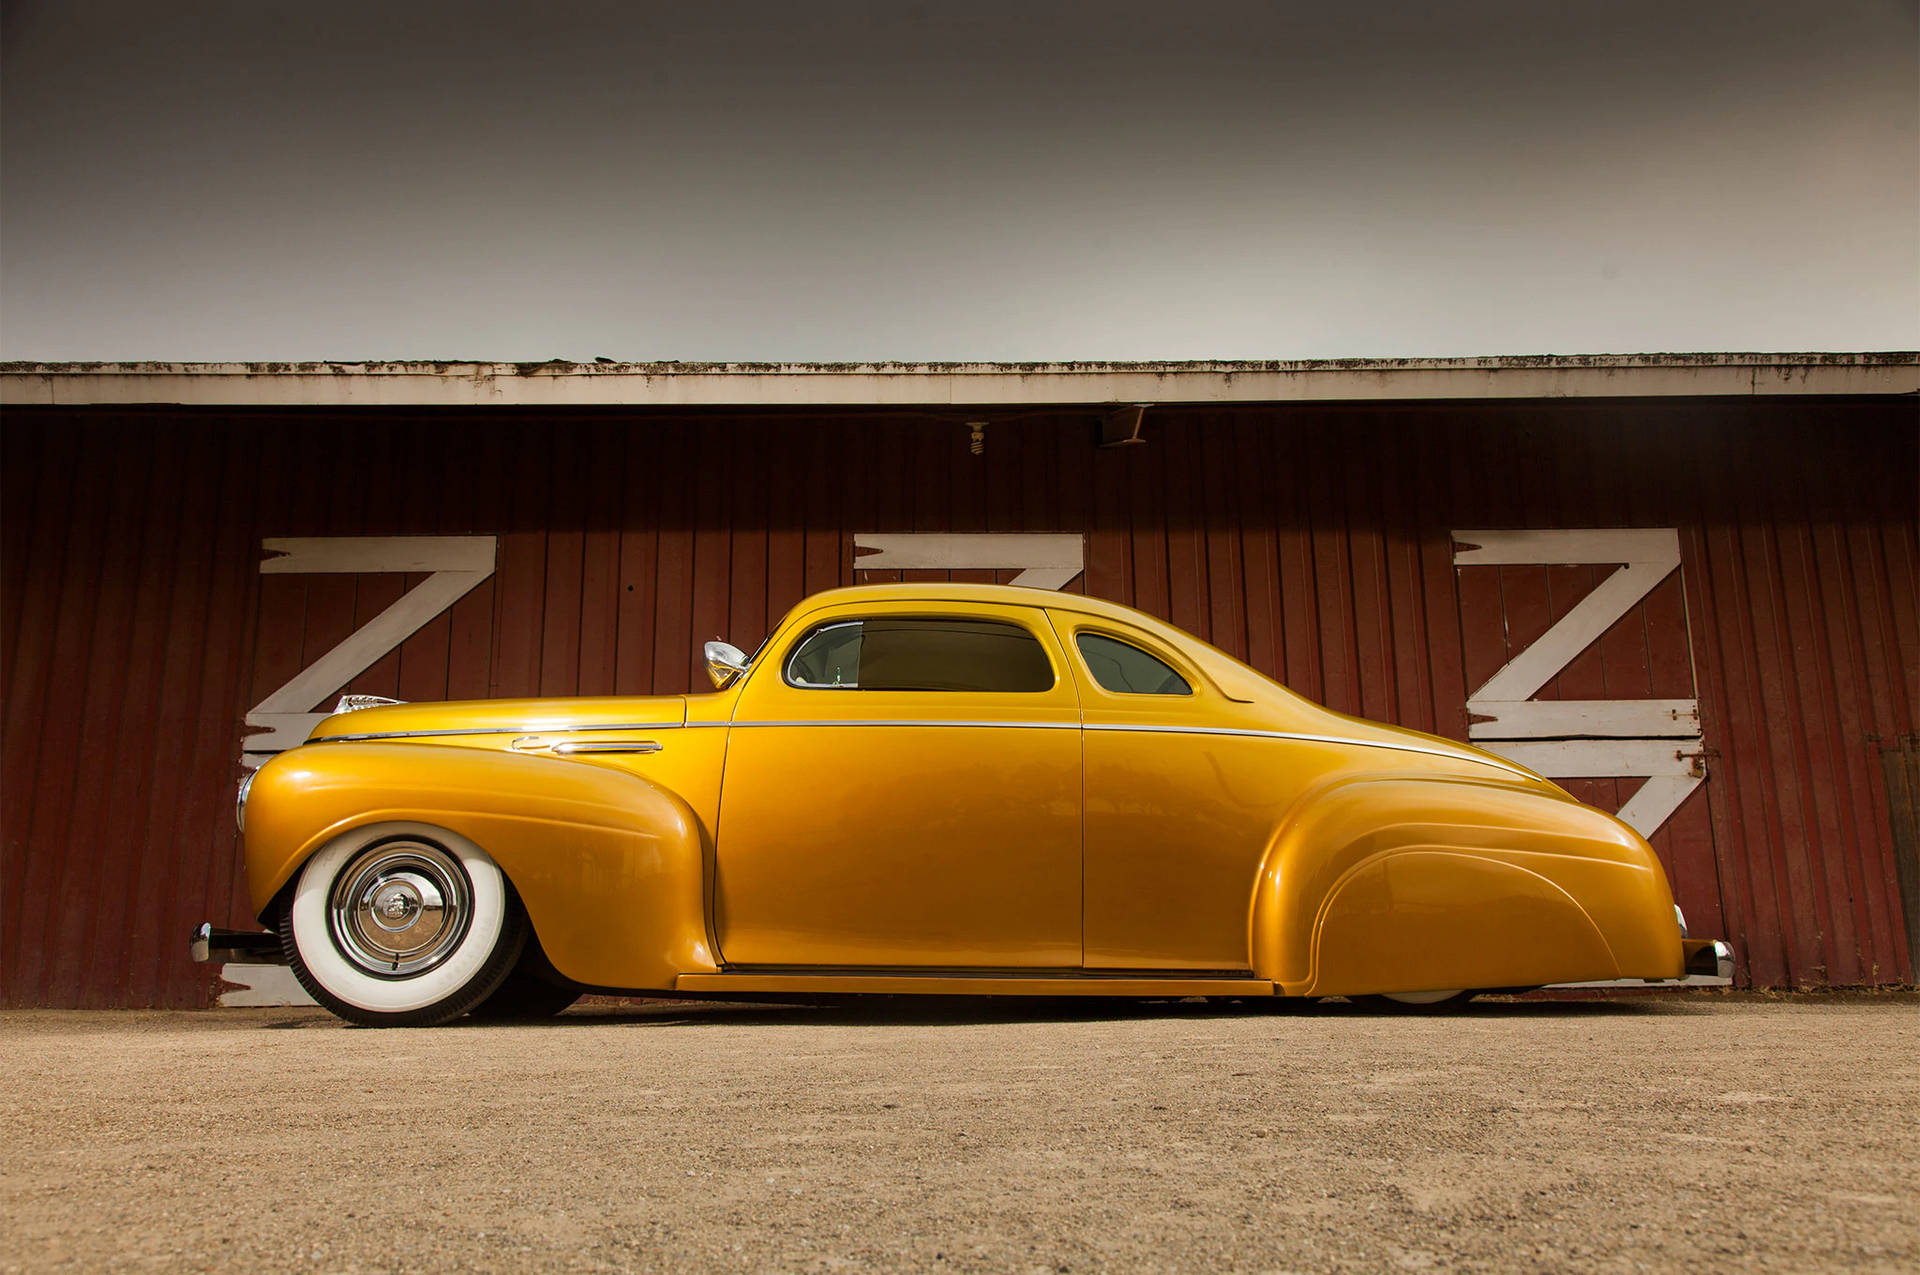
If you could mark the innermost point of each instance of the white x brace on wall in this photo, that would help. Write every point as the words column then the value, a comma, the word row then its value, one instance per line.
column 458, row 563
column 1588, row 739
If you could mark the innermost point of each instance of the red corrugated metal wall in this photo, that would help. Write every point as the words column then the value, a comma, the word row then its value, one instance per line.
column 1313, row 541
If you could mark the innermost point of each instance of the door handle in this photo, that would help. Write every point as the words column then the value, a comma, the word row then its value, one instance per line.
column 573, row 746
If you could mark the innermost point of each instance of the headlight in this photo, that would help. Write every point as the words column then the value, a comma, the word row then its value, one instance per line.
column 240, row 802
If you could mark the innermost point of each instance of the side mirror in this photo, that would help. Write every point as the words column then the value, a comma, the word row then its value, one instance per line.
column 725, row 662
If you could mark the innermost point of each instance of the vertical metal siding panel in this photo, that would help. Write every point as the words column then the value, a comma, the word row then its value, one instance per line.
column 58, row 739
column 880, row 500
column 1260, row 560
column 1372, row 616
column 132, row 763
column 520, row 570
column 786, row 527
column 712, row 554
column 1847, row 928
column 600, row 557
column 640, row 522
column 1858, row 803
column 747, row 541
column 1039, row 479
column 167, row 854
column 96, row 864
column 223, row 703
column 1073, row 454
column 475, row 505
column 1738, row 781
column 1863, row 800
column 1109, row 534
column 967, row 481
column 1408, row 644
column 426, row 656
column 29, row 690
column 1332, row 579
column 1186, row 546
column 673, row 624
column 19, row 515
column 384, row 511
column 564, row 561
column 1431, row 522
column 1223, row 519
column 1292, row 461
column 1146, row 522
column 1805, row 889
column 829, row 541
column 420, row 509
column 1650, row 493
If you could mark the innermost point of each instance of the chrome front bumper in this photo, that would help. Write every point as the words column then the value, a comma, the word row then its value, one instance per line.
column 1708, row 963
column 236, row 947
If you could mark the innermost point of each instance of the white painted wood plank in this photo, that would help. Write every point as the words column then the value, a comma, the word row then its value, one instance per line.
column 1600, row 758
column 315, row 555
column 280, row 731
column 1567, row 547
column 1656, row 801
column 1573, row 718
column 1575, row 631
column 372, row 640
column 261, row 986
column 1046, row 577
column 942, row 551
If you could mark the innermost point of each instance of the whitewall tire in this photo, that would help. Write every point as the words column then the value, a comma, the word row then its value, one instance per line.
column 1437, row 1002
column 401, row 925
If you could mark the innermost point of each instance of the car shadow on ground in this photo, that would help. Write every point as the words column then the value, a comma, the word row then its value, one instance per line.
column 873, row 1010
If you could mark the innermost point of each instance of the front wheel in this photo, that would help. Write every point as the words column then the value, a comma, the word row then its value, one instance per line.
column 401, row 925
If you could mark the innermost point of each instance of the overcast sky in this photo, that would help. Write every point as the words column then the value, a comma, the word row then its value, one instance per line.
column 263, row 180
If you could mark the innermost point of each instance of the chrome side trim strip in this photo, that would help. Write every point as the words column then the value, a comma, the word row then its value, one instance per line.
column 1139, row 728
column 1314, row 739
column 923, row 722
column 1233, row 731
column 500, row 730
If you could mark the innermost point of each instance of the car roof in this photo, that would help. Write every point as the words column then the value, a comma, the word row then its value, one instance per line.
column 1233, row 678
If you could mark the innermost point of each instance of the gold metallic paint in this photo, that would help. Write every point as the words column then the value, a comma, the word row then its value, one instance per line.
column 894, row 844
column 1103, row 843
column 609, row 866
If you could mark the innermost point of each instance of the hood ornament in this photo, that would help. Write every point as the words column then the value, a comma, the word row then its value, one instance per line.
column 349, row 703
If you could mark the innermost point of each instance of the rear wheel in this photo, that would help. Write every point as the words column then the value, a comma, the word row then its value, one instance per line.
column 1416, row 1002
column 401, row 925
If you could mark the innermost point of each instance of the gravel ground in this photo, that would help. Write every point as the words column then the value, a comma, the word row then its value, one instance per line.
column 1697, row 1130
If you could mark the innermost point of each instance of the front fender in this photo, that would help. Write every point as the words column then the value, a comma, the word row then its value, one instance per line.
column 1389, row 883
column 611, row 868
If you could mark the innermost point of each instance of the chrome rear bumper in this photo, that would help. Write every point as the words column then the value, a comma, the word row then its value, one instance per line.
column 237, row 947
column 1707, row 963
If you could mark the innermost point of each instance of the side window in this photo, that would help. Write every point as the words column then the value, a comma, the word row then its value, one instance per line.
column 902, row 653
column 1125, row 669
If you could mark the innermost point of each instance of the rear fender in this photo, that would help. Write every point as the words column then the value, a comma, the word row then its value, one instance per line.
column 611, row 868
column 1412, row 884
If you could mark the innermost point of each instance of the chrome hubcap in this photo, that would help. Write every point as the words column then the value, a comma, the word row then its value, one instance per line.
column 400, row 908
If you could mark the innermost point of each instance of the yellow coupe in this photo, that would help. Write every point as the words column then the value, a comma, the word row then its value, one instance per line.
column 939, row 788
